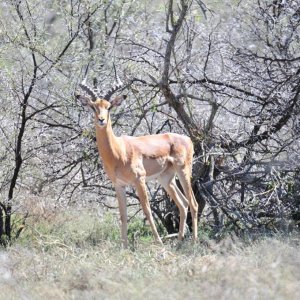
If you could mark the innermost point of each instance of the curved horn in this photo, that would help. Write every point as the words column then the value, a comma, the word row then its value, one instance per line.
column 89, row 91
column 113, row 90
column 116, row 87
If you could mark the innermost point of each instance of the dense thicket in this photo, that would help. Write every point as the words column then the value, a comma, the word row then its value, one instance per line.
column 227, row 75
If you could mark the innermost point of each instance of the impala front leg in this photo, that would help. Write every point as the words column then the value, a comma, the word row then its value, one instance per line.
column 121, row 196
column 142, row 193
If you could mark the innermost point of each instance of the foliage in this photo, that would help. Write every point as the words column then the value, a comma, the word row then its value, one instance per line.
column 56, row 257
column 226, row 74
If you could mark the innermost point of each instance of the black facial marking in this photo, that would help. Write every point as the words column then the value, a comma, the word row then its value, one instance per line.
column 94, row 108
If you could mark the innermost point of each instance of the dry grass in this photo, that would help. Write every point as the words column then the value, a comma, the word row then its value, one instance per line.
column 75, row 256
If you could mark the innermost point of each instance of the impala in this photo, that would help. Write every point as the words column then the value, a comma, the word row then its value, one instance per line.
column 129, row 160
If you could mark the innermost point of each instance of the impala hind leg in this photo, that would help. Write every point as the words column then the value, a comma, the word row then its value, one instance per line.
column 121, row 196
column 184, row 175
column 142, row 193
column 169, row 184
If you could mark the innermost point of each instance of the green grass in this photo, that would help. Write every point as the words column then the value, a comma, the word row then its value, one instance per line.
column 75, row 255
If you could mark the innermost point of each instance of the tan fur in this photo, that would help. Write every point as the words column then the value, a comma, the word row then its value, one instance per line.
column 133, row 160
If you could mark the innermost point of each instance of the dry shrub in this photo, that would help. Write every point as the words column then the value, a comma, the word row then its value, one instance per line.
column 66, row 260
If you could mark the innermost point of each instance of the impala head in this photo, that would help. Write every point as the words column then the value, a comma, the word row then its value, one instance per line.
column 100, row 104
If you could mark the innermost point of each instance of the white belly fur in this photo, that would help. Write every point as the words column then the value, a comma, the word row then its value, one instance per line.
column 156, row 175
column 121, row 182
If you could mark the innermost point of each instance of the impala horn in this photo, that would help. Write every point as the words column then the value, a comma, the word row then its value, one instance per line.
column 91, row 92
column 119, row 84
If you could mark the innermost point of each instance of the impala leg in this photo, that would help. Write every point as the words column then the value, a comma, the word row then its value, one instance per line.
column 184, row 178
column 194, row 212
column 173, row 191
column 121, row 196
column 142, row 193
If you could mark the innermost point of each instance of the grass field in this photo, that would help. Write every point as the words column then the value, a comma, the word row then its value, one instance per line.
column 74, row 255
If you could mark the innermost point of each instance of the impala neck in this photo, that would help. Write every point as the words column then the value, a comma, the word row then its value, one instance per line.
column 107, row 142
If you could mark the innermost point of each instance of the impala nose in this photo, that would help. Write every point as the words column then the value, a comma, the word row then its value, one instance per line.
column 101, row 121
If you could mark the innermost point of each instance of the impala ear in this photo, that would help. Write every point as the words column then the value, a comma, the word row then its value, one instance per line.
column 117, row 101
column 85, row 101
